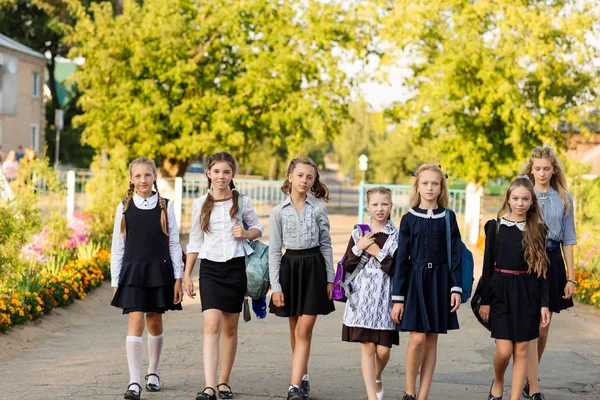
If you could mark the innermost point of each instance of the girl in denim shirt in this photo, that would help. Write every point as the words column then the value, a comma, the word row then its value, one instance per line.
column 301, row 279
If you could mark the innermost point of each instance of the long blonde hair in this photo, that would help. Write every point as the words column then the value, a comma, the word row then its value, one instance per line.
column 558, row 181
column 536, row 231
column 442, row 200
column 130, row 191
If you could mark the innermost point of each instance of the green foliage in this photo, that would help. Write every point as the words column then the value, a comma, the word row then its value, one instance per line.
column 87, row 251
column 55, row 262
column 176, row 79
column 492, row 79
column 29, row 281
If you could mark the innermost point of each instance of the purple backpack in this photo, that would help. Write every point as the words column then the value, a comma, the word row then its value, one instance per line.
column 342, row 283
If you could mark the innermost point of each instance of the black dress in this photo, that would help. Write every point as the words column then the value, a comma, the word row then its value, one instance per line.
column 423, row 281
column 515, row 300
column 146, row 281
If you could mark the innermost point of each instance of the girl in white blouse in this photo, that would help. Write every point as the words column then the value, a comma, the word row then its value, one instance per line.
column 220, row 241
column 146, row 269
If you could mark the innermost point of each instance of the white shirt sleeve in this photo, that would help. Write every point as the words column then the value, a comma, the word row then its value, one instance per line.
column 250, row 217
column 174, row 246
column 117, row 250
column 196, row 234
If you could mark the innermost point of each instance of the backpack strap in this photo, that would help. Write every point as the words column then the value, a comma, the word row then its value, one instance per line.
column 364, row 259
column 448, row 239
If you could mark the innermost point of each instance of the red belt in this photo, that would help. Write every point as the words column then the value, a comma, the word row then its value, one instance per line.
column 510, row 271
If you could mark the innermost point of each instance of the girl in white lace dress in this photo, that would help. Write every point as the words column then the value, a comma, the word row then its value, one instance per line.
column 367, row 318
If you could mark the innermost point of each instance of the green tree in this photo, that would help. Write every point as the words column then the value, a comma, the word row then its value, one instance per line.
column 492, row 79
column 176, row 79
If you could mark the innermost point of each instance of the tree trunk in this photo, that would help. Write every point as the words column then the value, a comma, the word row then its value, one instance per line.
column 171, row 167
column 274, row 168
column 119, row 7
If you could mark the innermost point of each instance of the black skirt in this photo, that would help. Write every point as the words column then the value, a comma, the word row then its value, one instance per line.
column 365, row 335
column 303, row 280
column 557, row 279
column 427, row 303
column 515, row 307
column 223, row 284
column 146, row 286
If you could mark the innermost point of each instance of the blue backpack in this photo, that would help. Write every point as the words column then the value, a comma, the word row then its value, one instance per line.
column 466, row 263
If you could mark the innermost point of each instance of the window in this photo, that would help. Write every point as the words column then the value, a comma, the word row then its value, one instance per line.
column 35, row 137
column 36, row 84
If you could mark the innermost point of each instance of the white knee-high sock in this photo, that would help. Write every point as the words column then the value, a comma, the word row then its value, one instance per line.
column 133, row 347
column 155, row 345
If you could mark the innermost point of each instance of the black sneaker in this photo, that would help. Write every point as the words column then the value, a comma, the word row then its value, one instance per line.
column 537, row 396
column 408, row 397
column 525, row 392
column 294, row 393
column 305, row 388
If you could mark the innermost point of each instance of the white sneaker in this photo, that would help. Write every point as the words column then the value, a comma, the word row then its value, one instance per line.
column 380, row 394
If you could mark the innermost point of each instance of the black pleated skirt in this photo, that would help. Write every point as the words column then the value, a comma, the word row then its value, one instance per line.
column 146, row 286
column 557, row 279
column 427, row 302
column 223, row 284
column 303, row 280
column 515, row 307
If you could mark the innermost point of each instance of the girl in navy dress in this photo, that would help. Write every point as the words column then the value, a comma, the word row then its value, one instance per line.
column 426, row 290
column 146, row 269
column 367, row 319
column 301, row 279
column 546, row 172
column 514, row 290
column 219, row 239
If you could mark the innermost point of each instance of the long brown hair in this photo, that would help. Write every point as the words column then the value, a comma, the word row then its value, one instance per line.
column 318, row 189
column 442, row 200
column 129, row 196
column 558, row 181
column 209, row 203
column 536, row 231
column 380, row 190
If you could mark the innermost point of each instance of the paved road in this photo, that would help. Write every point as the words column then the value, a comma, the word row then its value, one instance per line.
column 78, row 353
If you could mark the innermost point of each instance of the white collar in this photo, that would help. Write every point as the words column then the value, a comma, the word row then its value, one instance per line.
column 150, row 200
column 518, row 224
column 388, row 229
column 429, row 214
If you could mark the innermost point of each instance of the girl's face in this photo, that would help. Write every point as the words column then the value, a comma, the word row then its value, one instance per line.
column 542, row 170
column 221, row 175
column 380, row 207
column 302, row 178
column 142, row 176
column 519, row 201
column 430, row 185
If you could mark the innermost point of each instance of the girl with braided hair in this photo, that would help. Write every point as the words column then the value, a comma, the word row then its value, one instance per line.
column 220, row 240
column 146, row 269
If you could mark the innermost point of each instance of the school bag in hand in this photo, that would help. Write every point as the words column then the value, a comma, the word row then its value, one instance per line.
column 476, row 300
column 257, row 263
column 342, row 283
column 466, row 263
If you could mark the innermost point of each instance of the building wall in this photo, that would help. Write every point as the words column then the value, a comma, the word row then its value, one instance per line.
column 16, row 129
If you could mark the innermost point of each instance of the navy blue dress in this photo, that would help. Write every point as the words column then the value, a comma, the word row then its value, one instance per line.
column 422, row 279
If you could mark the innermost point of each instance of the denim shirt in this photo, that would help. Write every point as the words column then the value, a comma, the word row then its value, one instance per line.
column 561, row 226
column 299, row 232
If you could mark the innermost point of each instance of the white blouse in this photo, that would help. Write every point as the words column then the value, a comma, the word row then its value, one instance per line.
column 219, row 244
column 117, row 250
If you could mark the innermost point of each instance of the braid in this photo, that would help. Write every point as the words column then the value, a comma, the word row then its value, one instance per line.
column 235, row 195
column 163, row 207
column 126, row 203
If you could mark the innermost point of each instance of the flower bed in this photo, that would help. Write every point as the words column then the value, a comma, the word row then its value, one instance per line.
column 73, row 281
column 587, row 270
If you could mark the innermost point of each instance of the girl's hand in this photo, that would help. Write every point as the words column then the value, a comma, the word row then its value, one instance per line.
column 484, row 313
column 569, row 290
column 455, row 301
column 239, row 232
column 329, row 290
column 189, row 286
column 366, row 241
column 398, row 312
column 178, row 292
column 545, row 318
column 114, row 291
column 278, row 299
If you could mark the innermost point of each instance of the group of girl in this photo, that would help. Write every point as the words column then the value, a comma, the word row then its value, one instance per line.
column 405, row 280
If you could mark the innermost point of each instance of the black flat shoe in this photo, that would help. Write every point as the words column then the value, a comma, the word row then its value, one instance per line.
column 205, row 396
column 525, row 392
column 491, row 396
column 132, row 394
column 294, row 393
column 408, row 397
column 152, row 387
column 538, row 396
column 225, row 394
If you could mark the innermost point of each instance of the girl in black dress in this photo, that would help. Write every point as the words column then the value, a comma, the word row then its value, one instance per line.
column 146, row 268
column 514, row 293
column 426, row 290
column 220, row 241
